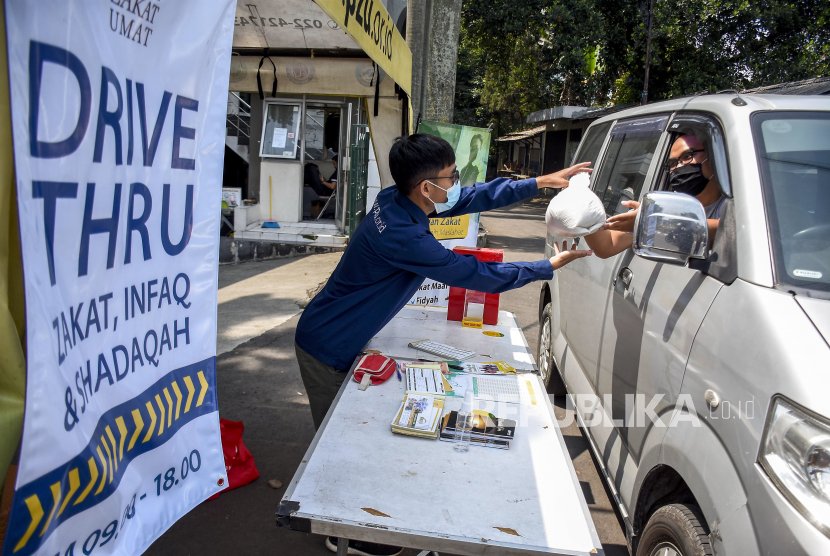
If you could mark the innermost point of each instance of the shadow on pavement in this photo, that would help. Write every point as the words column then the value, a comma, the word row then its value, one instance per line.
column 259, row 384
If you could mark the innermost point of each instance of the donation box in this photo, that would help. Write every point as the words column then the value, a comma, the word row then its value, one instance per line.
column 471, row 307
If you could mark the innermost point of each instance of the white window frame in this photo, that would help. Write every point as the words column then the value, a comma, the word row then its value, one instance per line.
column 297, row 131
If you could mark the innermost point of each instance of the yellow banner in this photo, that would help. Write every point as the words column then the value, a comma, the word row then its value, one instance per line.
column 453, row 227
column 372, row 28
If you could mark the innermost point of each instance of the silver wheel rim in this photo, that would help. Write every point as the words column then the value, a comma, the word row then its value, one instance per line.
column 666, row 549
column 544, row 350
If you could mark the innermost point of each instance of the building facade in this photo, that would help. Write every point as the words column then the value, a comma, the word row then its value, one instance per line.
column 302, row 94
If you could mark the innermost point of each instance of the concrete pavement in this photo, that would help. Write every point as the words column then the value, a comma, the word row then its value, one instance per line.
column 259, row 384
column 256, row 297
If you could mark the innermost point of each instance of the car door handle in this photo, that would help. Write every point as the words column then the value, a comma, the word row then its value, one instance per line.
column 624, row 277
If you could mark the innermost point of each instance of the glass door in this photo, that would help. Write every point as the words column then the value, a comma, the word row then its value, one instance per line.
column 345, row 165
column 321, row 146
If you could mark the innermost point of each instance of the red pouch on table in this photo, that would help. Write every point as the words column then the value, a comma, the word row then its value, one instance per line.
column 239, row 463
column 378, row 367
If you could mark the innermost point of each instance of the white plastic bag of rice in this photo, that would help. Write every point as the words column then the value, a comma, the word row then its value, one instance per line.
column 576, row 211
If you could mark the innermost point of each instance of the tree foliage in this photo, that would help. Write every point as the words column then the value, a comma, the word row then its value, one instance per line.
column 524, row 55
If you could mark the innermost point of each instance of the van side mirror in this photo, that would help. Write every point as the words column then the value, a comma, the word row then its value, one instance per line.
column 671, row 228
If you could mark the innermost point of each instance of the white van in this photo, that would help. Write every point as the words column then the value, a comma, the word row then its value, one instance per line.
column 702, row 375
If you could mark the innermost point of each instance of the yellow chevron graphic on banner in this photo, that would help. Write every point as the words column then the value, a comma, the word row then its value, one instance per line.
column 161, row 408
column 112, row 441
column 36, row 511
column 169, row 408
column 164, row 400
column 109, row 458
column 56, row 498
column 93, row 473
column 152, row 422
column 74, row 484
column 122, row 435
column 104, row 476
column 190, row 390
column 178, row 394
column 139, row 424
column 204, row 384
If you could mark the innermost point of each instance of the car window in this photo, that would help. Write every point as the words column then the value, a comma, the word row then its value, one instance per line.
column 626, row 162
column 793, row 153
column 591, row 144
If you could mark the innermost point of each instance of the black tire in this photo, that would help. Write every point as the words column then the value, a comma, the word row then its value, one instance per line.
column 675, row 530
column 550, row 374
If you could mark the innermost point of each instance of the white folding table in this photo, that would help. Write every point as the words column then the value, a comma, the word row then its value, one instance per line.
column 358, row 480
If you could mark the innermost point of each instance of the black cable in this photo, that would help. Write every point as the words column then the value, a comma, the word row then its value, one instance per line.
column 259, row 80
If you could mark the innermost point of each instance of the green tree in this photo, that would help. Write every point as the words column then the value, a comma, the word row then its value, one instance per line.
column 710, row 45
column 524, row 55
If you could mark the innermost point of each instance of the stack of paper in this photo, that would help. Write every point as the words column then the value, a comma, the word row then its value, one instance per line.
column 504, row 388
column 425, row 380
column 419, row 415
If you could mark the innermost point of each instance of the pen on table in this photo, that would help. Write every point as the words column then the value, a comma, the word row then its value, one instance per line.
column 398, row 370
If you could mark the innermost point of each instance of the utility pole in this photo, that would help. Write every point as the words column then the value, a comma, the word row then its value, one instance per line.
column 648, row 51
column 432, row 30
column 445, row 25
column 417, row 38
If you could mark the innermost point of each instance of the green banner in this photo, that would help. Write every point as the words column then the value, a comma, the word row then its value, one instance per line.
column 471, row 146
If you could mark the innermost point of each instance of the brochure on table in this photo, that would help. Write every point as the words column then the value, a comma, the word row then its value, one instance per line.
column 498, row 400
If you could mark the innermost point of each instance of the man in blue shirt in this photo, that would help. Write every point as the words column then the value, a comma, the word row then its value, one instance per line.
column 392, row 251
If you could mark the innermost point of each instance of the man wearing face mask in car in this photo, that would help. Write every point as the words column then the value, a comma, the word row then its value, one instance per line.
column 692, row 174
column 689, row 173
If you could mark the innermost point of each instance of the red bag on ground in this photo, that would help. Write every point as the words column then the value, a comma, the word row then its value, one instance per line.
column 239, row 463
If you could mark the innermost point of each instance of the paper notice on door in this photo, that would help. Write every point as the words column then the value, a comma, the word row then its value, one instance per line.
column 280, row 133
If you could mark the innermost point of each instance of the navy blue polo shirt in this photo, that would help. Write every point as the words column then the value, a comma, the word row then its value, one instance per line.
column 387, row 259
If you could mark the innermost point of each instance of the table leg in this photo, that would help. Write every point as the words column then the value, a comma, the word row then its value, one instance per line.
column 342, row 546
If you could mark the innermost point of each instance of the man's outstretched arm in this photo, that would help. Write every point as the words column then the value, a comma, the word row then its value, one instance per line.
column 425, row 256
column 502, row 192
column 615, row 236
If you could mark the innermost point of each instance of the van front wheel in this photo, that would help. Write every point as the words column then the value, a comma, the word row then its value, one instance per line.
column 675, row 530
column 544, row 355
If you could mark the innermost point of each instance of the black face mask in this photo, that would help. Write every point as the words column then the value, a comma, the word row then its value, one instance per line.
column 688, row 179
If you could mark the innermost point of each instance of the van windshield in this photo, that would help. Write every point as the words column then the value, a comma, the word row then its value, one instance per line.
column 794, row 159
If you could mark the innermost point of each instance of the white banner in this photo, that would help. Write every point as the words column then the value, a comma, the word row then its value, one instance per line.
column 437, row 294
column 118, row 117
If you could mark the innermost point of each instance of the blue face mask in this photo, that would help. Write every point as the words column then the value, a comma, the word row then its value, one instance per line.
column 453, row 193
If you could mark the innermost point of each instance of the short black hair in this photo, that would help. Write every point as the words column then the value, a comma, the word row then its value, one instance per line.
column 417, row 157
